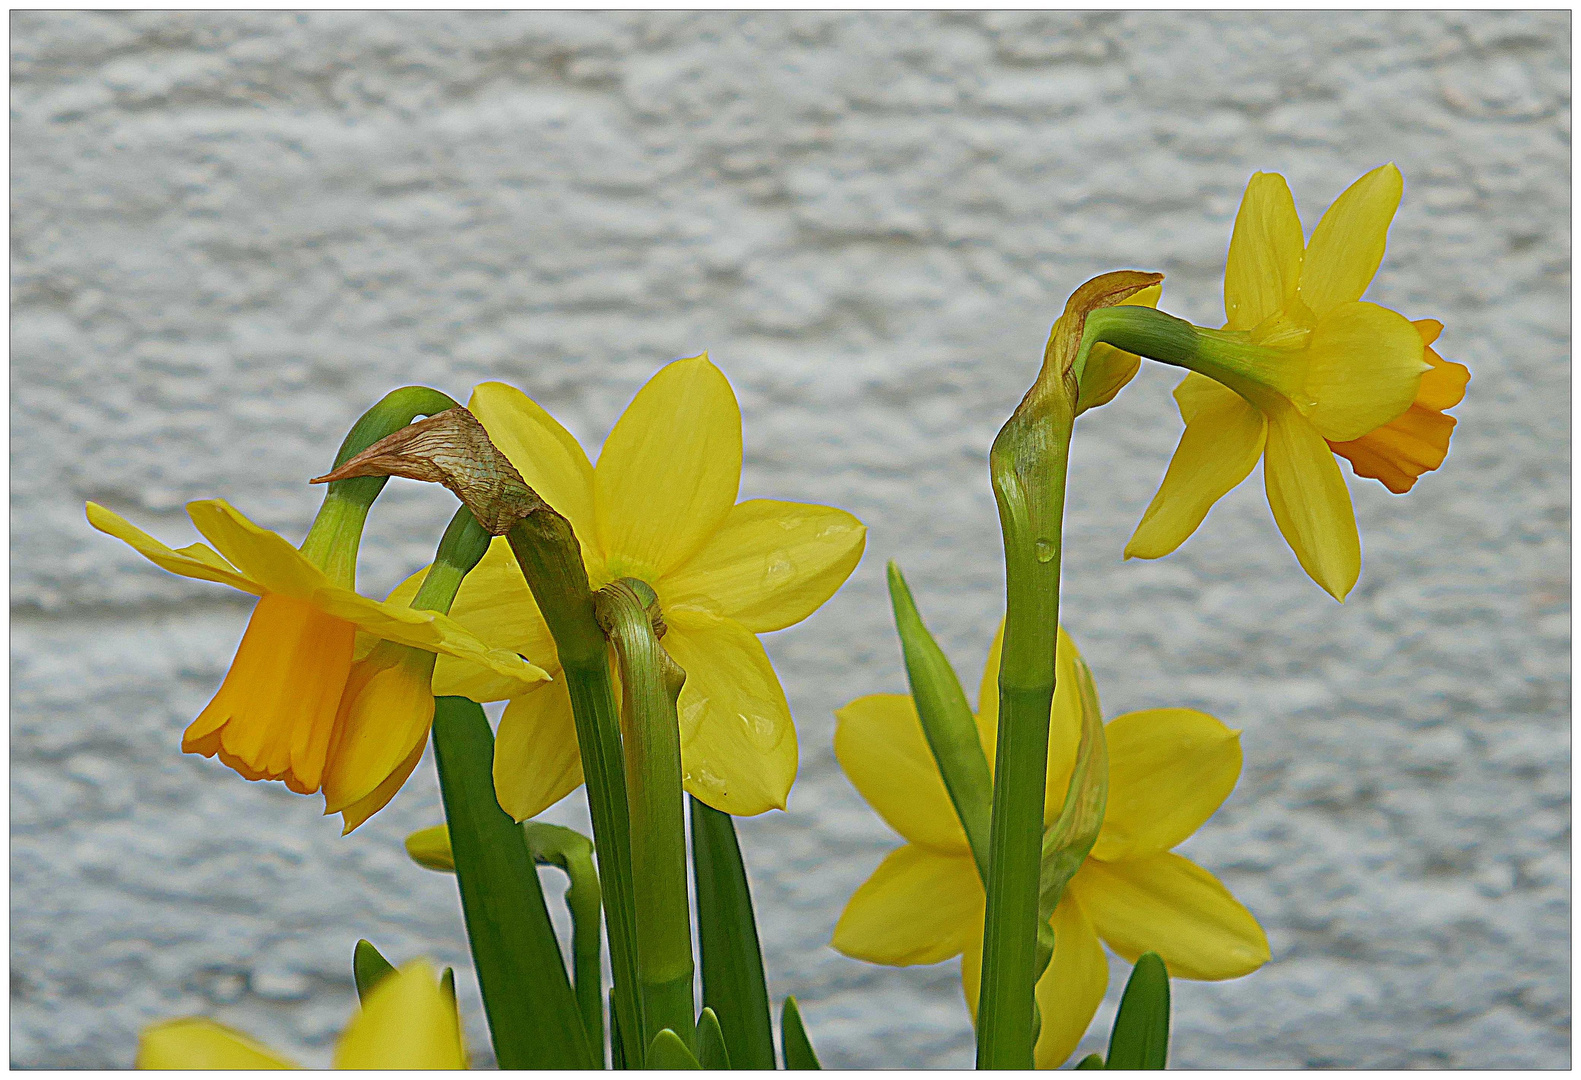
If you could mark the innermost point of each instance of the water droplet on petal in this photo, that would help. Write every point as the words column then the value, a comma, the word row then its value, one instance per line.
column 779, row 569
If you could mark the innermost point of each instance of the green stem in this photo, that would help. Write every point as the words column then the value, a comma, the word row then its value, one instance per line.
column 556, row 845
column 336, row 533
column 947, row 722
column 1028, row 465
column 551, row 560
column 1262, row 374
column 651, row 682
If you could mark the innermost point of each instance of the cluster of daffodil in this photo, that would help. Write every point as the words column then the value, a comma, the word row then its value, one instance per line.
column 616, row 608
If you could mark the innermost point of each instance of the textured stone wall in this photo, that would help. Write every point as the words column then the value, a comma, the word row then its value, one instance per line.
column 232, row 232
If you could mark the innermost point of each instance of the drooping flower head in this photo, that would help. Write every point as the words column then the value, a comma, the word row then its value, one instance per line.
column 1304, row 370
column 661, row 507
column 1169, row 769
column 289, row 708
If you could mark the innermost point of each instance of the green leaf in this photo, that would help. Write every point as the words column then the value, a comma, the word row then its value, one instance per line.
column 669, row 1052
column 367, row 968
column 1140, row 1037
column 617, row 1045
column 711, row 1049
column 947, row 721
column 532, row 1013
column 793, row 1036
column 1091, row 1061
column 447, row 983
column 732, row 961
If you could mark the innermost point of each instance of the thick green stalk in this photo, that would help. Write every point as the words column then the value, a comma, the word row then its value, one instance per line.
column 651, row 682
column 556, row 845
column 947, row 721
column 551, row 560
column 336, row 533
column 1028, row 464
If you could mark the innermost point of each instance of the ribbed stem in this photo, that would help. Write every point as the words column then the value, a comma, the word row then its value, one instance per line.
column 1028, row 465
column 551, row 560
column 651, row 682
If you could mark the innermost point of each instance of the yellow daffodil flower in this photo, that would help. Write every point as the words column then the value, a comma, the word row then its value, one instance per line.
column 294, row 707
column 661, row 506
column 407, row 1022
column 1304, row 370
column 1169, row 769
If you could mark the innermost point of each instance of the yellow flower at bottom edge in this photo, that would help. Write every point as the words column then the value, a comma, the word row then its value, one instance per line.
column 408, row 1022
column 661, row 506
column 294, row 705
column 1169, row 769
column 1322, row 374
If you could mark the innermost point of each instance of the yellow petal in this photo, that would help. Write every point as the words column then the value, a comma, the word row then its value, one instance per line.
column 738, row 745
column 200, row 1043
column 364, row 808
column 1169, row 769
column 1174, row 907
column 496, row 605
column 537, row 761
column 1364, row 365
column 280, row 568
column 193, row 561
column 1108, row 368
column 273, row 717
column 988, row 695
column 1072, row 988
column 549, row 458
column 919, row 907
column 271, row 562
column 1310, row 503
column 1264, row 266
column 879, row 743
column 1223, row 439
column 386, row 711
column 972, row 973
column 263, row 556
column 668, row 474
column 1348, row 243
column 770, row 565
column 1064, row 717
column 407, row 1022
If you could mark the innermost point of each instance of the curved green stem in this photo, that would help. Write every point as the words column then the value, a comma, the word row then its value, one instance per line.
column 651, row 682
column 556, row 845
column 336, row 533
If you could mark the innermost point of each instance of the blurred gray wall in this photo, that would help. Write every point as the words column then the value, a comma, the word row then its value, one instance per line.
column 233, row 232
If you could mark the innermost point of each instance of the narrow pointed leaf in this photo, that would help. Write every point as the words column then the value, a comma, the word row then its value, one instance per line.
column 947, row 721
column 732, row 961
column 1091, row 1061
column 793, row 1037
column 532, row 1013
column 669, row 1052
column 368, row 966
column 711, row 1050
column 617, row 1046
column 1140, row 1036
